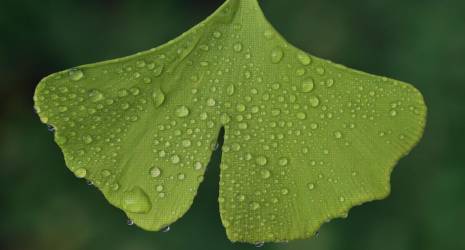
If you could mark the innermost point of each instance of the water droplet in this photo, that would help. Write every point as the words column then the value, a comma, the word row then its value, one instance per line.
column 338, row 135
column 130, row 222
column 308, row 85
column 301, row 116
column 284, row 191
column 261, row 160
column 175, row 159
column 166, row 229
column 158, row 97
column 304, row 58
column 283, row 161
column 87, row 139
column 211, row 102
column 269, row 34
column 265, row 173
column 181, row 176
column 342, row 199
column 277, row 55
column 230, row 89
column 155, row 172
column 393, row 113
column 96, row 95
column 314, row 101
column 158, row 70
column 136, row 201
column 225, row 119
column 186, row 143
column 62, row 109
column 238, row 47
column 320, row 71
column 76, row 74
column 182, row 111
column 80, row 172
column 311, row 186
column 217, row 34
column 259, row 244
column 254, row 205
column 50, row 128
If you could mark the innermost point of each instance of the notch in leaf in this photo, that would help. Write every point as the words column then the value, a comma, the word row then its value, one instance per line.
column 305, row 139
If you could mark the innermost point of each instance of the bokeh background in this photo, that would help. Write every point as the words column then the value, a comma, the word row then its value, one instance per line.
column 43, row 206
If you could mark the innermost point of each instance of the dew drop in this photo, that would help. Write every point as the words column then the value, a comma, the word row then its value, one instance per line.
column 155, row 172
column 87, row 139
column 311, row 186
column 338, row 135
column 265, row 173
column 158, row 97
column 301, row 116
column 166, row 229
column 238, row 47
column 284, row 191
column 308, row 85
column 130, row 222
column 254, row 205
column 304, row 58
column 261, row 160
column 230, row 89
column 182, row 111
column 314, row 101
column 80, row 172
column 277, row 55
column 259, row 244
column 76, row 74
column 136, row 201
column 283, row 161
column 211, row 102
column 175, row 159
column 158, row 70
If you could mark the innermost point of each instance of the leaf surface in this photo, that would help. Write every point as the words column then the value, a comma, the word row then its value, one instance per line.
column 305, row 139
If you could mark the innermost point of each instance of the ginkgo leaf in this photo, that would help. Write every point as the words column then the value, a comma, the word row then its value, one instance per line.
column 305, row 139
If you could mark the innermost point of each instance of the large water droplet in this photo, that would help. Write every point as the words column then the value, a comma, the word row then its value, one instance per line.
column 265, row 173
column 136, row 201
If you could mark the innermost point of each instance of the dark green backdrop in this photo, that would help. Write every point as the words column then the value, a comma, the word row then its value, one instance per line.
column 43, row 206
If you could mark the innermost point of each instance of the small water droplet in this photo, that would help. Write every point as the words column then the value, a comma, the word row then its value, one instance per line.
column 301, row 116
column 76, row 74
column 238, row 47
column 254, row 205
column 277, row 55
column 155, row 172
column 96, row 95
column 175, row 159
column 304, row 58
column 311, row 186
column 265, row 173
column 283, row 161
column 87, row 139
column 259, row 244
column 80, row 172
column 284, row 191
column 314, row 101
column 182, row 111
column 158, row 97
column 129, row 222
column 261, row 160
column 166, row 229
column 338, row 135
column 211, row 102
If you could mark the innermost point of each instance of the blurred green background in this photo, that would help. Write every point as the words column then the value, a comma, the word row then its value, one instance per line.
column 43, row 206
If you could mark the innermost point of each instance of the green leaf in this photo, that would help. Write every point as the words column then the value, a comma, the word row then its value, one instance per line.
column 305, row 139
